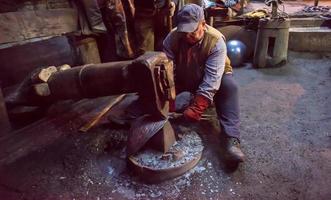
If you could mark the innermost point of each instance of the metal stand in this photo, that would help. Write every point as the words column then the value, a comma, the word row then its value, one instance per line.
column 272, row 42
column 272, row 39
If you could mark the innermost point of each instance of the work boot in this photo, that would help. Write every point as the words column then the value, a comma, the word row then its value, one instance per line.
column 234, row 153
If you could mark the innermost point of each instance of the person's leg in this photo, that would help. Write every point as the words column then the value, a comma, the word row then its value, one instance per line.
column 227, row 108
column 144, row 29
column 94, row 16
column 117, row 23
column 160, row 32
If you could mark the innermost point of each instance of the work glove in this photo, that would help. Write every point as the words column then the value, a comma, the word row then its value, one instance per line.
column 196, row 108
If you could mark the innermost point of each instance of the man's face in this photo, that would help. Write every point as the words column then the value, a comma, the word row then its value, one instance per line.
column 196, row 35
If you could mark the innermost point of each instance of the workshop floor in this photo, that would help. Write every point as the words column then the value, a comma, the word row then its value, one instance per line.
column 285, row 126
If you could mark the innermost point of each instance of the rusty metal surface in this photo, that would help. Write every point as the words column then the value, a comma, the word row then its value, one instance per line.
column 164, row 139
column 92, row 80
column 143, row 129
column 158, row 175
column 153, row 74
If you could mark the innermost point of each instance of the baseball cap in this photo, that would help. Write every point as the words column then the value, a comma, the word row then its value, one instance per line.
column 189, row 17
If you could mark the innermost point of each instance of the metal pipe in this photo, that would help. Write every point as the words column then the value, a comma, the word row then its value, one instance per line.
column 92, row 80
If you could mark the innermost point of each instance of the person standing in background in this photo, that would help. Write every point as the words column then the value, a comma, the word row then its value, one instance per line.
column 150, row 23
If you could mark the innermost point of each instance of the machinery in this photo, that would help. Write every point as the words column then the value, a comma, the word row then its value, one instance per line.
column 150, row 76
column 272, row 39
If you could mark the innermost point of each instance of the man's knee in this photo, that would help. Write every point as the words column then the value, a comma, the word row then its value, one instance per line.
column 229, row 84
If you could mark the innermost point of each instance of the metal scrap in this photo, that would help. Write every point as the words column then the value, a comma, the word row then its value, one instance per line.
column 311, row 9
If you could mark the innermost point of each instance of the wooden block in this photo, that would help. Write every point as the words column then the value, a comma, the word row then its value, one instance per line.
column 43, row 75
column 42, row 89
column 88, row 50
column 63, row 67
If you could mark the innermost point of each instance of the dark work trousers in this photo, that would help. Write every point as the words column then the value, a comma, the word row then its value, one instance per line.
column 226, row 101
column 150, row 32
column 93, row 12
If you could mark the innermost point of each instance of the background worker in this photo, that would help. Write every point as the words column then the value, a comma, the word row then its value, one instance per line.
column 150, row 24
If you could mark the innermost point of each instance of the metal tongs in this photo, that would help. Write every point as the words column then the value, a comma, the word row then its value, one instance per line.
column 175, row 115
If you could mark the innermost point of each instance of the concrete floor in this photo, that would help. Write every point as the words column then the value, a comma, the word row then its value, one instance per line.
column 285, row 125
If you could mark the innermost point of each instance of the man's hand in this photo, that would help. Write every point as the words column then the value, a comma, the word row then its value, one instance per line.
column 197, row 108
column 169, row 10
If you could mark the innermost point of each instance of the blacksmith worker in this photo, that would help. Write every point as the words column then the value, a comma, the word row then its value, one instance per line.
column 150, row 23
column 203, row 68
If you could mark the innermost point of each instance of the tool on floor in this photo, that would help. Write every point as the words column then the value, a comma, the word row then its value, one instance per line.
column 99, row 116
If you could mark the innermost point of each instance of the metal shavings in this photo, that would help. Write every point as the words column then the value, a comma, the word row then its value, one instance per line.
column 184, row 150
column 310, row 9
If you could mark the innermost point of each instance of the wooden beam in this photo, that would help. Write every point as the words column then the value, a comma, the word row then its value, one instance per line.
column 19, row 26
column 103, row 112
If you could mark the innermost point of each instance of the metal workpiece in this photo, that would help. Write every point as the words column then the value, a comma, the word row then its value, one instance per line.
column 164, row 139
column 88, row 81
column 141, row 131
column 150, row 75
